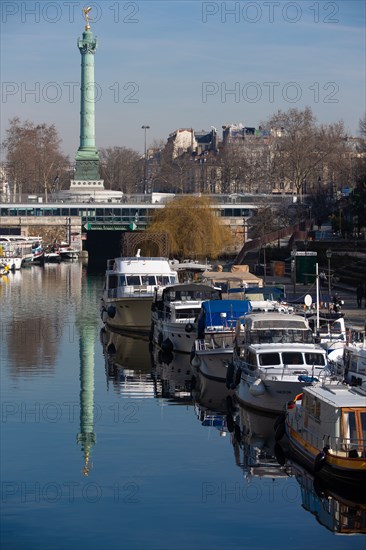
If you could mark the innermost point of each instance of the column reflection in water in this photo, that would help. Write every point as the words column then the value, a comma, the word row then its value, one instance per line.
column 87, row 325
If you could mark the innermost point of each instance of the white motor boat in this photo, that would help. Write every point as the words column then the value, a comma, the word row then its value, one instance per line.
column 330, row 332
column 274, row 357
column 213, row 344
column 351, row 365
column 174, row 314
column 67, row 252
column 130, row 286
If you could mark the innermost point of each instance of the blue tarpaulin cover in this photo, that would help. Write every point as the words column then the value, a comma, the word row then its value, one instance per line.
column 211, row 309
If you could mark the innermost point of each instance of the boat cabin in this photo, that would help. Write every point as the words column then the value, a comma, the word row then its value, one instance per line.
column 275, row 328
column 137, row 275
column 182, row 303
column 337, row 411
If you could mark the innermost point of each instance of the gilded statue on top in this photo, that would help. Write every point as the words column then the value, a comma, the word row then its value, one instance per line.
column 86, row 17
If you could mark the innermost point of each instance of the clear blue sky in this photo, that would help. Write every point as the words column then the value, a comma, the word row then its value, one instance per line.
column 172, row 64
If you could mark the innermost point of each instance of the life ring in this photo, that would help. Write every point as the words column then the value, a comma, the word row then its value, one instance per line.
column 189, row 327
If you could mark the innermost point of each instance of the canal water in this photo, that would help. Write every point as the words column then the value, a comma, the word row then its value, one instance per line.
column 106, row 444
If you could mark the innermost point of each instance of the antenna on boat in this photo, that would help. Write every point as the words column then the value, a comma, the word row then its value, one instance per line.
column 138, row 253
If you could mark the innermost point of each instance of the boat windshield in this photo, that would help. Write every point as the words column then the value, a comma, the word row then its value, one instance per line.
column 291, row 358
column 280, row 336
column 145, row 280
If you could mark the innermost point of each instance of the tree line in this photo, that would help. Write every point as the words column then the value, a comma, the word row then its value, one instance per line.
column 298, row 156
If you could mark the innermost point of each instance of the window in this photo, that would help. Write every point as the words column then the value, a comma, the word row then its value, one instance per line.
column 314, row 359
column 113, row 281
column 148, row 279
column 267, row 359
column 292, row 358
column 133, row 280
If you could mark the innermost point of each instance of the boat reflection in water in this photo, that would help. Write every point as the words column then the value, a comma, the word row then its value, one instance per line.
column 173, row 376
column 253, row 442
column 127, row 364
column 339, row 508
column 212, row 402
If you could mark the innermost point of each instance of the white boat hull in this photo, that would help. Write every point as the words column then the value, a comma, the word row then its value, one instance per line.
column 11, row 262
column 174, row 336
column 269, row 395
column 213, row 363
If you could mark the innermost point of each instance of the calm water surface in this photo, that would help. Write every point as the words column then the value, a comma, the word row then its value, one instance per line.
column 108, row 445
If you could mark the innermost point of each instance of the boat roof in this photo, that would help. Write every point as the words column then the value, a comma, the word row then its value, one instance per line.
column 238, row 307
column 272, row 320
column 212, row 310
column 228, row 276
column 190, row 287
column 338, row 395
column 141, row 265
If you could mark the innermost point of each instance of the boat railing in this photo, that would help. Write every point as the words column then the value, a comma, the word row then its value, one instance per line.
column 214, row 342
column 343, row 446
column 340, row 446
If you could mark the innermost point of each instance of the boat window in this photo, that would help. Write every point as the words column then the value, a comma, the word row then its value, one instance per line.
column 148, row 280
column 266, row 359
column 164, row 280
column 292, row 358
column 363, row 425
column 133, row 280
column 350, row 425
column 113, row 281
column 186, row 313
column 122, row 280
column 313, row 406
column 314, row 359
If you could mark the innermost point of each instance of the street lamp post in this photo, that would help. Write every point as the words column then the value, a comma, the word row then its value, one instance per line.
column 293, row 252
column 329, row 255
column 145, row 128
column 306, row 244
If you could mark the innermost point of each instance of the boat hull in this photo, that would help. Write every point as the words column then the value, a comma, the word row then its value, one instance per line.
column 13, row 263
column 174, row 336
column 213, row 363
column 128, row 314
column 269, row 395
column 335, row 467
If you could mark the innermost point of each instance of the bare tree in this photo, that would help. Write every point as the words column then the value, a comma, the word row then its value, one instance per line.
column 121, row 168
column 35, row 162
column 304, row 152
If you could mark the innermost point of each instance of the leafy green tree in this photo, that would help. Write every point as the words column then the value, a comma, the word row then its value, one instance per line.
column 193, row 228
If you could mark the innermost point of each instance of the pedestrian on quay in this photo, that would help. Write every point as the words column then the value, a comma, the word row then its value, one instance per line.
column 360, row 293
column 323, row 278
